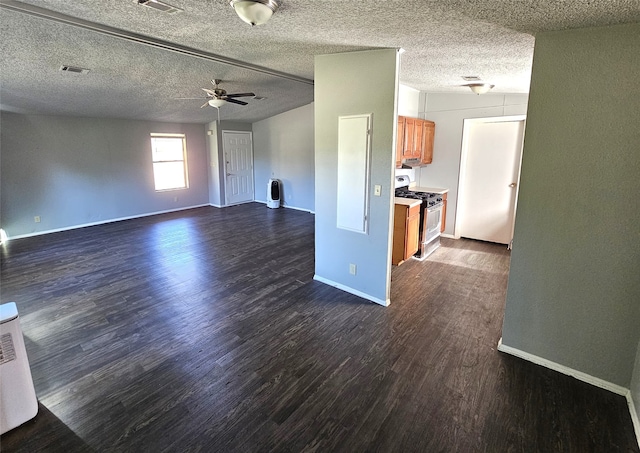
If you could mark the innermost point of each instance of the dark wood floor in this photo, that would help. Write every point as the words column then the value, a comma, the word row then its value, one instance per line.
column 204, row 331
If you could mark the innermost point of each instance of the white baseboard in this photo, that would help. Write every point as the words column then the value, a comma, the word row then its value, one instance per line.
column 217, row 205
column 584, row 377
column 289, row 207
column 352, row 291
column 449, row 236
column 298, row 209
column 617, row 389
column 102, row 222
column 634, row 415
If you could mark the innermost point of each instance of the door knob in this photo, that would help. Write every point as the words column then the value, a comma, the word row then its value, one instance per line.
column 512, row 185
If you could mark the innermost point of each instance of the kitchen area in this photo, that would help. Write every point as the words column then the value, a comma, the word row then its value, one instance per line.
column 437, row 162
column 419, row 212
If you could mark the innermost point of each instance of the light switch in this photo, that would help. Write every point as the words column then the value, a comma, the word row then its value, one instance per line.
column 377, row 190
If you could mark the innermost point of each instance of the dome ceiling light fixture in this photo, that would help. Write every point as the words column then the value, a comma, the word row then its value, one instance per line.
column 480, row 88
column 217, row 103
column 254, row 12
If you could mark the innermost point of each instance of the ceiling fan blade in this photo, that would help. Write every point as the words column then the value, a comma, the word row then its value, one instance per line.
column 235, row 101
column 240, row 95
column 204, row 105
column 209, row 92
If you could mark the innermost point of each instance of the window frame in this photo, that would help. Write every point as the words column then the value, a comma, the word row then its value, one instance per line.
column 183, row 161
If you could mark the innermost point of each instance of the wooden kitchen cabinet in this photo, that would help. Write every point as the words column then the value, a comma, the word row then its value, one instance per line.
column 444, row 212
column 400, row 141
column 409, row 131
column 406, row 227
column 428, row 133
column 415, row 140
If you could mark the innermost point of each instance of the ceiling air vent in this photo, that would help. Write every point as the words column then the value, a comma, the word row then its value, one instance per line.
column 160, row 6
column 471, row 78
column 75, row 69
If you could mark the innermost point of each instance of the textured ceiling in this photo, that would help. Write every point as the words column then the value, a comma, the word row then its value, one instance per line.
column 443, row 40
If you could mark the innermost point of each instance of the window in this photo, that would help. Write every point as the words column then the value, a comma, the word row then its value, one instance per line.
column 169, row 153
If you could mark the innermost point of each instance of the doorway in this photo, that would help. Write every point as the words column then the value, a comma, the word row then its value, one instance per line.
column 489, row 178
column 238, row 157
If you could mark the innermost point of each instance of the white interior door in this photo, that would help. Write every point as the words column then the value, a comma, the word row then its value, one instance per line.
column 238, row 155
column 492, row 153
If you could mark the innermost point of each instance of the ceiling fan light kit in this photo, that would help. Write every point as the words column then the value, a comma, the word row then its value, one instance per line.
column 218, row 97
column 480, row 88
column 217, row 103
column 254, row 12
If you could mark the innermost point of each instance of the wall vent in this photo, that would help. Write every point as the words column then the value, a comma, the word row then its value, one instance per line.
column 160, row 6
column 471, row 78
column 75, row 69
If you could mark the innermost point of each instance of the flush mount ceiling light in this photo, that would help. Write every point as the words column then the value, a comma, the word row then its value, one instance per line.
column 217, row 103
column 254, row 12
column 480, row 88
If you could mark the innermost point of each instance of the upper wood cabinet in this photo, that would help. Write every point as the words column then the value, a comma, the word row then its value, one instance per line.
column 428, row 132
column 408, row 143
column 415, row 140
column 400, row 141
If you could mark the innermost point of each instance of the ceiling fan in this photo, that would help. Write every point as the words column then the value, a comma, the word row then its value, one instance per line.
column 218, row 97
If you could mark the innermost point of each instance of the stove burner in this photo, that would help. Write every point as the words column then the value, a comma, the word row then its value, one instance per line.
column 429, row 199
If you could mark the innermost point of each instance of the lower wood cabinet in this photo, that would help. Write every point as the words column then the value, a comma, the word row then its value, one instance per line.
column 406, row 228
column 444, row 212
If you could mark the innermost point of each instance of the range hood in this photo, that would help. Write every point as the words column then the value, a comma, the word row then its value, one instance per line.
column 411, row 163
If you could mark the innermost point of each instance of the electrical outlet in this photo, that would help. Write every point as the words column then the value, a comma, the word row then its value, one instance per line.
column 36, row 219
column 377, row 190
column 352, row 269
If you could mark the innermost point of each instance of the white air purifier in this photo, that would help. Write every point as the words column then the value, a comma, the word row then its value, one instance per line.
column 18, row 402
column 274, row 193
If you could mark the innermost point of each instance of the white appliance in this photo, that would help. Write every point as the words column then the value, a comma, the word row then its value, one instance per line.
column 274, row 193
column 18, row 402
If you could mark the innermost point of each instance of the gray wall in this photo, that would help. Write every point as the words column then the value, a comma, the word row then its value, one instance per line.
column 573, row 294
column 283, row 148
column 350, row 84
column 448, row 111
column 214, row 159
column 75, row 171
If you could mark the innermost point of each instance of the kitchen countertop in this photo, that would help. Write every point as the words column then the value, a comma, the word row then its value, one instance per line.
column 429, row 189
column 407, row 201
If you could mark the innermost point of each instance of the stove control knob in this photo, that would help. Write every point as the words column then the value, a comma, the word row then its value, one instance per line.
column 438, row 199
